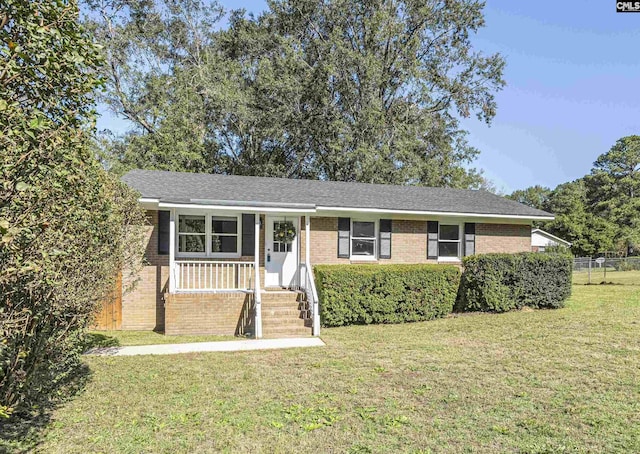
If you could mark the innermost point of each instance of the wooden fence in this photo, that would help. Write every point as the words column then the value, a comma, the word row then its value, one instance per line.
column 110, row 316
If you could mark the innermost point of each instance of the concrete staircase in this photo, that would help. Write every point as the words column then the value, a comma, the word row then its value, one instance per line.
column 285, row 314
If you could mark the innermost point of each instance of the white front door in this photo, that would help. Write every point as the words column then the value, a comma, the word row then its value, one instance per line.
column 281, row 256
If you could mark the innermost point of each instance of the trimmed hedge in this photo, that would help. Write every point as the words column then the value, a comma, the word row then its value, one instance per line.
column 502, row 282
column 364, row 294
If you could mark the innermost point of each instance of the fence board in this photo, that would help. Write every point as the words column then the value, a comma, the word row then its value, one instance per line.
column 110, row 316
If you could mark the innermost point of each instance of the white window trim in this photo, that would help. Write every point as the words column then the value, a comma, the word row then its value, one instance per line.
column 363, row 258
column 209, row 235
column 460, row 236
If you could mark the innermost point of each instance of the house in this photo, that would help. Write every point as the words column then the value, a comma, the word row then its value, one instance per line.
column 234, row 254
column 540, row 240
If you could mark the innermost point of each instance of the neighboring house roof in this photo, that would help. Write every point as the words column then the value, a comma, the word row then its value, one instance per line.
column 210, row 189
column 546, row 236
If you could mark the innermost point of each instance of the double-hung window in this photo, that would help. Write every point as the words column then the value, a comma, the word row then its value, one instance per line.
column 192, row 234
column 449, row 242
column 363, row 239
column 207, row 235
column 224, row 234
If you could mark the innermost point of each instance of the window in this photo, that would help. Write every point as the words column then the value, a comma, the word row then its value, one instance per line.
column 449, row 241
column 206, row 235
column 224, row 234
column 192, row 234
column 278, row 244
column 363, row 239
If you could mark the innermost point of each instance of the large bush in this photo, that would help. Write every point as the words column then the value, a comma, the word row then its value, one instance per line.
column 502, row 282
column 362, row 294
column 62, row 217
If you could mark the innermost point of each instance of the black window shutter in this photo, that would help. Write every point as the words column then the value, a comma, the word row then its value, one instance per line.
column 385, row 238
column 248, row 234
column 469, row 238
column 164, row 218
column 432, row 240
column 344, row 229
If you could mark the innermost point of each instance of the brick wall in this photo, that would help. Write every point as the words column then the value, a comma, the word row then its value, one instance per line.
column 208, row 313
column 143, row 308
column 409, row 240
column 507, row 238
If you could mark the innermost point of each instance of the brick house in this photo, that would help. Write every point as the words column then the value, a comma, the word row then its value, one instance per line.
column 209, row 234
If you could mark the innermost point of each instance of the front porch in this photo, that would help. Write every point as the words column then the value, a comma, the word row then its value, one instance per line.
column 217, row 285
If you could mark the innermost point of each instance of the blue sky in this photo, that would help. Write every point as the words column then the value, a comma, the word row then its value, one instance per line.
column 573, row 88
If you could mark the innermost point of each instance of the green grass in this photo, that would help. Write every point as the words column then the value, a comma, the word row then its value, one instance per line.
column 123, row 338
column 563, row 380
column 613, row 276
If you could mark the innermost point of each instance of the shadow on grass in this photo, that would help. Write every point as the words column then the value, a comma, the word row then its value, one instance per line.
column 24, row 430
column 97, row 340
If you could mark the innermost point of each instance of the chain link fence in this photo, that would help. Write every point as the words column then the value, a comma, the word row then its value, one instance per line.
column 601, row 270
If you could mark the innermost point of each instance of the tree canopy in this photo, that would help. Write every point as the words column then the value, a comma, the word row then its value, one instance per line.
column 601, row 211
column 339, row 90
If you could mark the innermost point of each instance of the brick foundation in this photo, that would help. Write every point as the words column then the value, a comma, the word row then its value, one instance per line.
column 208, row 313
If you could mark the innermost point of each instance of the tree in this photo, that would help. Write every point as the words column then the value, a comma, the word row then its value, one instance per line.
column 574, row 222
column 614, row 190
column 535, row 196
column 62, row 217
column 339, row 90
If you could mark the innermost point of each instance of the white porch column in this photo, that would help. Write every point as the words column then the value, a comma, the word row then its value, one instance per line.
column 307, row 240
column 307, row 261
column 172, row 250
column 256, row 286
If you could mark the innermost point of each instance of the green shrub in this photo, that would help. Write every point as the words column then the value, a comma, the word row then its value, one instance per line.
column 363, row 294
column 629, row 264
column 62, row 217
column 502, row 282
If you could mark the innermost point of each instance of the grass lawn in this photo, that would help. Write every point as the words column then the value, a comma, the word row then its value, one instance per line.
column 613, row 276
column 532, row 381
column 123, row 338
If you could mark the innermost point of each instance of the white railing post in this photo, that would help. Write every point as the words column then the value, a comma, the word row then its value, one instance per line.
column 256, row 286
column 172, row 250
column 315, row 312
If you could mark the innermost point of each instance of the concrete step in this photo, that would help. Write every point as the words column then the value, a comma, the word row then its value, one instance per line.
column 277, row 311
column 298, row 305
column 281, row 331
column 281, row 294
column 273, row 321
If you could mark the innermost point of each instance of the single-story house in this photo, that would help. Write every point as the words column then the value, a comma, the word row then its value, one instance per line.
column 234, row 254
column 541, row 240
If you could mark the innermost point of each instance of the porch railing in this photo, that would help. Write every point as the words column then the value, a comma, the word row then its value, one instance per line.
column 308, row 285
column 204, row 275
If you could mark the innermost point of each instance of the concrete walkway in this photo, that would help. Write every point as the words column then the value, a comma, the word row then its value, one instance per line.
column 222, row 346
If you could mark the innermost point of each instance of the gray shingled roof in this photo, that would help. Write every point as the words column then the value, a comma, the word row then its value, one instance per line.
column 196, row 188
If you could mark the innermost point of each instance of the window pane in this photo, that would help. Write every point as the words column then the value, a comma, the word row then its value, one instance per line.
column 449, row 232
column 191, row 224
column 364, row 229
column 224, row 225
column 224, row 243
column 191, row 243
column 363, row 247
column 448, row 249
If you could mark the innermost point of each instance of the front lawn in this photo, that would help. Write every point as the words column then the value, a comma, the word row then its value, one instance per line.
column 531, row 381
column 612, row 276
